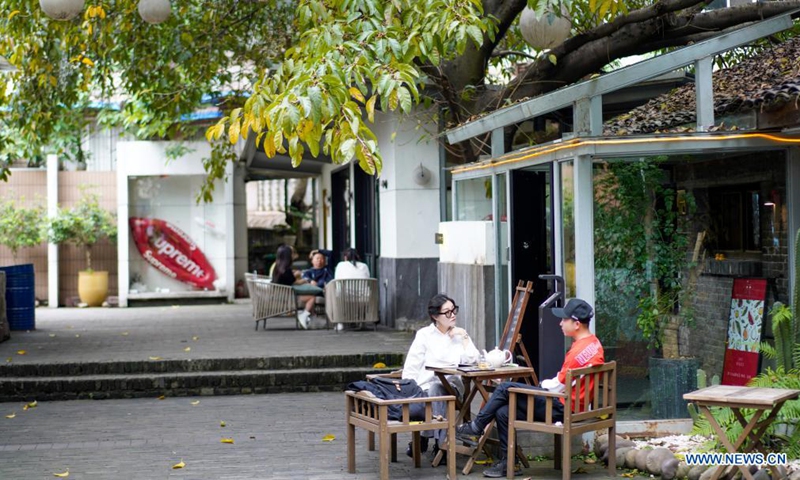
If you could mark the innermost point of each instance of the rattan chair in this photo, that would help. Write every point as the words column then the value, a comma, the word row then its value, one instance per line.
column 352, row 300
column 271, row 300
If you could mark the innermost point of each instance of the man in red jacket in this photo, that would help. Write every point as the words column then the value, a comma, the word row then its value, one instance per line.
column 585, row 351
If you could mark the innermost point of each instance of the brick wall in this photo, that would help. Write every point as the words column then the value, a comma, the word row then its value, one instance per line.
column 712, row 292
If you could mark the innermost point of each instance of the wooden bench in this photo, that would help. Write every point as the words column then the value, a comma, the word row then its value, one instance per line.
column 271, row 300
column 352, row 300
column 366, row 411
column 598, row 411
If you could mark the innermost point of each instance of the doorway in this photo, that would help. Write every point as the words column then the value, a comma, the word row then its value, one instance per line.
column 532, row 244
column 366, row 225
column 340, row 212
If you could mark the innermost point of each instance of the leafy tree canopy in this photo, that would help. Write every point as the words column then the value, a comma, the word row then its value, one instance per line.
column 307, row 76
column 109, row 54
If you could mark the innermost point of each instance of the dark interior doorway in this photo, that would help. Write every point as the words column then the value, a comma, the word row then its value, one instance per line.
column 366, row 225
column 532, row 244
column 340, row 211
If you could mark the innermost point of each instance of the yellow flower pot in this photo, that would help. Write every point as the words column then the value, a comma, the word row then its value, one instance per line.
column 92, row 287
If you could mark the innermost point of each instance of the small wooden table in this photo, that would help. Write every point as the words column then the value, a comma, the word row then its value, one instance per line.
column 737, row 399
column 475, row 382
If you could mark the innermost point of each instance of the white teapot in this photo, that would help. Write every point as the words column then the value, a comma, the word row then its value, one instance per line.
column 496, row 358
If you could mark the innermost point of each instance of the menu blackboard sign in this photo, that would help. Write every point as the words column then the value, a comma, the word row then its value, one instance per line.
column 510, row 340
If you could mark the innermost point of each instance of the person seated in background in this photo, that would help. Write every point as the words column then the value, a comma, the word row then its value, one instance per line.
column 586, row 350
column 319, row 274
column 440, row 343
column 351, row 266
column 284, row 275
column 294, row 256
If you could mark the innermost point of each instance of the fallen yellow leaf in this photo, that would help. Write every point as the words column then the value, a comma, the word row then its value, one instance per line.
column 52, row 335
column 179, row 465
column 328, row 438
column 21, row 352
column 25, row 407
column 9, row 360
column 195, row 338
column 62, row 475
column 162, row 397
column 485, row 461
column 379, row 365
column 77, row 335
column 11, row 416
column 187, row 349
column 222, row 423
column 124, row 334
column 155, row 358
column 196, row 402
column 226, row 440
column 33, row 404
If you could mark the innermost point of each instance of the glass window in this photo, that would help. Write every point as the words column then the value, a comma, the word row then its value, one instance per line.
column 474, row 197
column 568, row 225
column 177, row 244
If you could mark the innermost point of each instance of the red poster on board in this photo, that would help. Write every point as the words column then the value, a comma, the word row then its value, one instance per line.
column 170, row 251
column 745, row 325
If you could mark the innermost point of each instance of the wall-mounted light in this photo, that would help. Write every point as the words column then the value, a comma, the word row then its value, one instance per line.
column 774, row 199
column 422, row 176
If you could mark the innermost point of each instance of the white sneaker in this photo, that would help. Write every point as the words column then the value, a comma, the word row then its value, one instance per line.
column 339, row 327
column 303, row 317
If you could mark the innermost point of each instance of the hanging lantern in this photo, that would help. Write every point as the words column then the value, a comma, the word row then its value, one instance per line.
column 61, row 9
column 545, row 32
column 154, row 11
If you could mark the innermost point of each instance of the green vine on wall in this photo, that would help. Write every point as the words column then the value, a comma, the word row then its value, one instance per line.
column 641, row 246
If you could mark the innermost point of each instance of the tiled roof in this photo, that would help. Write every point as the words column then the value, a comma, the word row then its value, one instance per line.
column 765, row 82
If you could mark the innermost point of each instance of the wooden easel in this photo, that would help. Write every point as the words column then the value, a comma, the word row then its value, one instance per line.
column 512, row 339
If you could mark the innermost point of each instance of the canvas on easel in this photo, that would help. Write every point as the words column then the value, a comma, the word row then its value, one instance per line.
column 512, row 339
column 745, row 327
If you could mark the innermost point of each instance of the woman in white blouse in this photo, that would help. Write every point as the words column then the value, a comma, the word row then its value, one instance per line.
column 351, row 266
column 441, row 343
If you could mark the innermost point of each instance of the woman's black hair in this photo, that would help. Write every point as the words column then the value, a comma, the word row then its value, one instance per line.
column 283, row 262
column 351, row 255
column 435, row 305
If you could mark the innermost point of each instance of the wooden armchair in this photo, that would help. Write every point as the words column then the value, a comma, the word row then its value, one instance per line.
column 598, row 411
column 271, row 300
column 372, row 414
column 352, row 301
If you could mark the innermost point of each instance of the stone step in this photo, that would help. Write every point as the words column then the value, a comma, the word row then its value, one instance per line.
column 198, row 365
column 177, row 384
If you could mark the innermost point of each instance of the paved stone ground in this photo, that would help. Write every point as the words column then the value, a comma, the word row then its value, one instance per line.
column 276, row 436
column 221, row 331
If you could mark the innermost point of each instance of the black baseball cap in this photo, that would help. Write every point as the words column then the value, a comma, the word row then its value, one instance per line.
column 575, row 309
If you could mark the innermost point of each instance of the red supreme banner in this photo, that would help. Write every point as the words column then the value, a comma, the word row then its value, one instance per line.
column 170, row 251
column 745, row 325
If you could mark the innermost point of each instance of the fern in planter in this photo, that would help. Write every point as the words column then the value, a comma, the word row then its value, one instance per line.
column 783, row 435
column 84, row 225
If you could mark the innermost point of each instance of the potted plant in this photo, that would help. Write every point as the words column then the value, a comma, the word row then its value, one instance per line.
column 666, row 308
column 20, row 227
column 83, row 225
